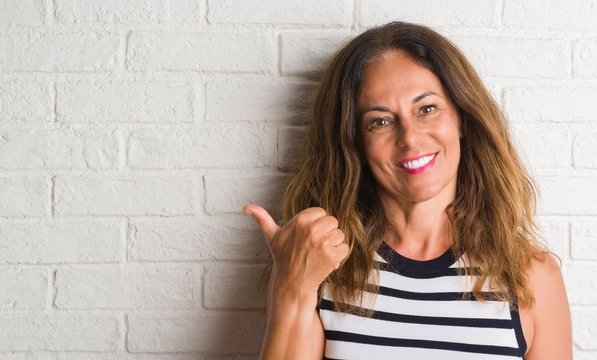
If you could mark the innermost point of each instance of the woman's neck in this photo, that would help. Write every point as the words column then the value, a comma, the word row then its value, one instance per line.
column 419, row 231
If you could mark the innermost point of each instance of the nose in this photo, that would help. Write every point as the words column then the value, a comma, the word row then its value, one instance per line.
column 409, row 134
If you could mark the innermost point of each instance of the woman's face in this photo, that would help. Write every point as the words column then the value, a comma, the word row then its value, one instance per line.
column 410, row 130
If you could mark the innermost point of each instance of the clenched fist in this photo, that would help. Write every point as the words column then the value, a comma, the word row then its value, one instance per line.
column 306, row 250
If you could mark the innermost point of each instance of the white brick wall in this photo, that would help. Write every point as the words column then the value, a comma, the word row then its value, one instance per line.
column 132, row 132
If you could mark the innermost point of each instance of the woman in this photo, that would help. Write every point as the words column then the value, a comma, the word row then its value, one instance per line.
column 409, row 230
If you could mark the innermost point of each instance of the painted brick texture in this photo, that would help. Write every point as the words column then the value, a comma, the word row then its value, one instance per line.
column 133, row 132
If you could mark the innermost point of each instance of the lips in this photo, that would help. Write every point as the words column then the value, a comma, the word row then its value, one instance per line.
column 417, row 161
column 418, row 164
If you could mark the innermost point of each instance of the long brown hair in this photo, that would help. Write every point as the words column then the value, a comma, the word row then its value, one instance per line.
column 492, row 213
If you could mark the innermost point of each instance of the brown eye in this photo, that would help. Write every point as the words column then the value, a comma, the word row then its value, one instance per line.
column 427, row 109
column 379, row 122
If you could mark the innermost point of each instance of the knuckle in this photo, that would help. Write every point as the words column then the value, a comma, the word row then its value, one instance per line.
column 344, row 250
column 318, row 211
column 332, row 221
column 336, row 236
column 313, row 231
column 330, row 257
column 301, row 220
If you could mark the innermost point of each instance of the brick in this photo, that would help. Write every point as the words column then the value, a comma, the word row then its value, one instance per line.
column 71, row 355
column 59, row 332
column 502, row 57
column 495, row 90
column 60, row 242
column 186, row 11
column 584, row 328
column 258, row 99
column 583, row 150
column 222, row 332
column 552, row 14
column 578, row 354
column 585, row 58
column 96, row 195
column 554, row 233
column 103, row 102
column 24, row 197
column 59, row 149
column 291, row 143
column 312, row 12
column 432, row 12
column 131, row 287
column 53, row 52
column 584, row 239
column 543, row 145
column 108, row 11
column 193, row 147
column 25, row 12
column 23, row 289
column 25, row 102
column 550, row 104
column 229, row 194
column 232, row 286
column 580, row 284
column 561, row 195
column 308, row 52
column 242, row 52
column 205, row 238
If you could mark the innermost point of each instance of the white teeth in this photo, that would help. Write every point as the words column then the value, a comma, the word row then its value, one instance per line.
column 419, row 162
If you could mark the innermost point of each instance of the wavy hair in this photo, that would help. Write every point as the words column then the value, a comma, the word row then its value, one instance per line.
column 492, row 214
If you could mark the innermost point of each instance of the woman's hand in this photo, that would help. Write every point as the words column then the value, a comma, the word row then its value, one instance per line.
column 305, row 251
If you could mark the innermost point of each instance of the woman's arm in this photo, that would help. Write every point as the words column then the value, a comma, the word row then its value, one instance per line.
column 548, row 329
column 305, row 251
column 294, row 330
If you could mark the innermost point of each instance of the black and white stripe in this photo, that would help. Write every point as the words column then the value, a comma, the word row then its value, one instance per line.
column 424, row 310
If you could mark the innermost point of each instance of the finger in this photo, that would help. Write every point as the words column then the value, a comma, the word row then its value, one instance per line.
column 264, row 219
column 334, row 238
column 309, row 215
column 326, row 224
column 339, row 254
column 342, row 251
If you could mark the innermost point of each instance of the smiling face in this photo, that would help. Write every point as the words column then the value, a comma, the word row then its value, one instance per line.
column 410, row 130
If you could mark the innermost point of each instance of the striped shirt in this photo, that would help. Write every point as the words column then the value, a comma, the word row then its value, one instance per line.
column 420, row 313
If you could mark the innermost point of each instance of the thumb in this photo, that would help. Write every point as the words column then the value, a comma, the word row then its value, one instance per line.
column 264, row 219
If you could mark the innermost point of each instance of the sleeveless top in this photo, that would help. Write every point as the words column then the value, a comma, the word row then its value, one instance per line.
column 420, row 313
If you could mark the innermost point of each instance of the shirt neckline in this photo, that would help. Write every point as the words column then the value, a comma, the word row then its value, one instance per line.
column 404, row 264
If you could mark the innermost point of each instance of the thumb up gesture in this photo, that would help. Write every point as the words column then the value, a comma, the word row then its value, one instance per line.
column 305, row 250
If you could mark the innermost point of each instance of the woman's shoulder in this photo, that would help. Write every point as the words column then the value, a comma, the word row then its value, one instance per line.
column 546, row 323
column 544, row 267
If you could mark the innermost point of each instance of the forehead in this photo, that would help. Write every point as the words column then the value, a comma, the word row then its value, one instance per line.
column 393, row 76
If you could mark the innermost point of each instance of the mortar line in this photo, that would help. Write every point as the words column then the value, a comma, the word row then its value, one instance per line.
column 52, row 290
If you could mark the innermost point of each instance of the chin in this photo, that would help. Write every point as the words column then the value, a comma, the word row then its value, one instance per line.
column 422, row 195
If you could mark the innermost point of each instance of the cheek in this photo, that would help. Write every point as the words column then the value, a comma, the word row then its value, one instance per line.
column 379, row 143
column 449, row 133
column 374, row 151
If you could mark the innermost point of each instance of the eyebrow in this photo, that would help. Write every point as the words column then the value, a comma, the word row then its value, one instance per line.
column 415, row 100
column 423, row 95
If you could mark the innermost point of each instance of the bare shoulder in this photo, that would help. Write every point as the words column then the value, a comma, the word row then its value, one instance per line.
column 550, row 328
column 544, row 268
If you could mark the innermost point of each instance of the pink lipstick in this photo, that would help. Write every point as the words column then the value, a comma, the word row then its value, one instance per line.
column 417, row 164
